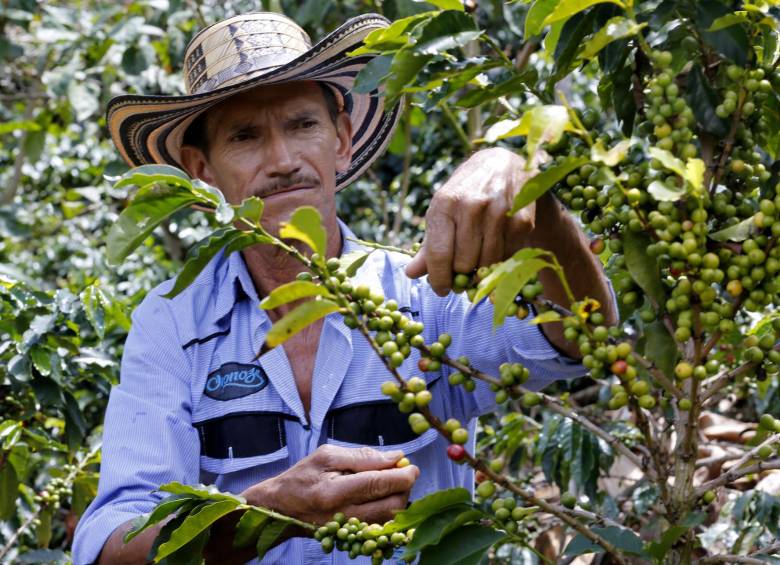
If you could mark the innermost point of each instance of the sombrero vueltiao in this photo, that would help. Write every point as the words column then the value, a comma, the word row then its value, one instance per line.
column 241, row 53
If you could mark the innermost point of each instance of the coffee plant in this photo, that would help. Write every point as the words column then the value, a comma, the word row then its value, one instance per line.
column 658, row 125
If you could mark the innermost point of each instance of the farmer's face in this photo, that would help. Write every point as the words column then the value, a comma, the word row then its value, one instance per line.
column 276, row 142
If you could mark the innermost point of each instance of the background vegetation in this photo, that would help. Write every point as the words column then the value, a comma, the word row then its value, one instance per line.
column 65, row 312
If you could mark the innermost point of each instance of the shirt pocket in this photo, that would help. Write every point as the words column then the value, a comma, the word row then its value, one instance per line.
column 242, row 440
column 378, row 424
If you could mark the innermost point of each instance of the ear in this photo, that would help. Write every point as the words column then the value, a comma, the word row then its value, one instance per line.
column 195, row 162
column 344, row 146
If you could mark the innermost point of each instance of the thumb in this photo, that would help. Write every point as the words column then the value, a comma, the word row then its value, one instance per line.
column 417, row 267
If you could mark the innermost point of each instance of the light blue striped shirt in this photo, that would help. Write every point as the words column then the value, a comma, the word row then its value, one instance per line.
column 194, row 406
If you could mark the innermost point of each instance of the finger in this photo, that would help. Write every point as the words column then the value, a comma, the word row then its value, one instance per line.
column 493, row 238
column 364, row 487
column 417, row 267
column 468, row 236
column 355, row 460
column 439, row 251
column 519, row 226
column 378, row 511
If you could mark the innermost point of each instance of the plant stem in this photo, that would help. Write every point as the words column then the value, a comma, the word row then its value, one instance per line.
column 738, row 470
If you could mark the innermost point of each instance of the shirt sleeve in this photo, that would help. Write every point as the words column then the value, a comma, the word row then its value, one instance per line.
column 516, row 341
column 148, row 438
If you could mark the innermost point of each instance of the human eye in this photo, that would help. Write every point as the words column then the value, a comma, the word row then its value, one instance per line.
column 242, row 135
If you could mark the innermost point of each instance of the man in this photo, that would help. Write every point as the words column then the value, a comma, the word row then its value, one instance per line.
column 307, row 432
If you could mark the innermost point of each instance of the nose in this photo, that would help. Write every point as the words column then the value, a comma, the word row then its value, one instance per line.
column 280, row 158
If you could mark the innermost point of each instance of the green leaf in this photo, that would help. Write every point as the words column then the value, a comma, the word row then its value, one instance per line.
column 463, row 546
column 194, row 524
column 43, row 530
column 248, row 528
column 93, row 309
column 490, row 282
column 732, row 41
column 672, row 533
column 268, row 536
column 153, row 204
column 306, row 225
column 303, row 315
column 642, row 267
column 491, row 91
column 614, row 155
column 738, row 232
column 727, row 21
column 567, row 8
column 165, row 508
column 203, row 492
column 293, row 291
column 41, row 359
column 370, row 76
column 665, row 193
column 537, row 185
column 703, row 101
column 9, row 490
column 622, row 538
column 352, row 261
column 660, row 347
column 668, row 160
column 406, row 65
column 33, row 145
column 26, row 125
column 446, row 31
column 694, row 174
column 445, row 4
column 540, row 124
column 392, row 37
column 616, row 28
column 546, row 317
column 251, row 209
column 433, row 528
column 534, row 19
column 148, row 174
column 203, row 252
column 511, row 283
column 422, row 508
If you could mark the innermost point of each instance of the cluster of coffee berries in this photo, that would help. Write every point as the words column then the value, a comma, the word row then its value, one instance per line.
column 508, row 515
column 360, row 538
column 57, row 489
column 668, row 111
column 413, row 396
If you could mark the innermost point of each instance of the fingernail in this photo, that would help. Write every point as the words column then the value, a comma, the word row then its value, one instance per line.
column 393, row 455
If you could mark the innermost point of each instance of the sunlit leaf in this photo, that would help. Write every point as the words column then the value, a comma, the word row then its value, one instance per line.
column 540, row 183
column 301, row 317
column 567, row 8
column 292, row 291
column 306, row 225
column 546, row 317
column 617, row 28
column 738, row 232
column 612, row 156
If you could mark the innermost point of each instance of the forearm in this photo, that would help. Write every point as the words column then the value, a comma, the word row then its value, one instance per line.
column 557, row 232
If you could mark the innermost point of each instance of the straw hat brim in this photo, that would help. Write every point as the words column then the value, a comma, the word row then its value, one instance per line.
column 149, row 129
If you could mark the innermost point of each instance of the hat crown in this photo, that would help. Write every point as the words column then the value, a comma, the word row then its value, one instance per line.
column 240, row 47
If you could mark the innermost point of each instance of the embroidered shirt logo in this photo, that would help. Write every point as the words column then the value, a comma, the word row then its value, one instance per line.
column 234, row 380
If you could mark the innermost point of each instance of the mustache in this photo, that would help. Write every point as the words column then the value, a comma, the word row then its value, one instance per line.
column 286, row 181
